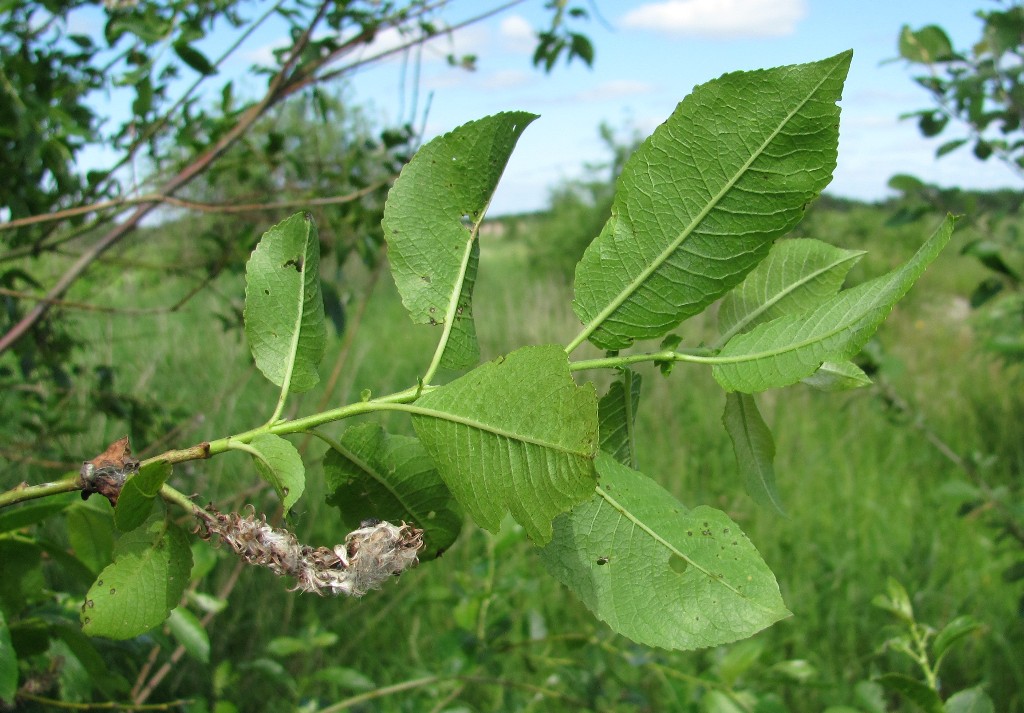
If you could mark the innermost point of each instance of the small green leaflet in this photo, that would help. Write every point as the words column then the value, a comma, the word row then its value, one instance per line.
column 189, row 632
column 135, row 502
column 658, row 573
column 699, row 203
column 754, row 447
column 284, row 310
column 138, row 590
column 837, row 376
column 379, row 475
column 432, row 222
column 280, row 464
column 529, row 452
column 794, row 346
column 797, row 275
column 617, row 415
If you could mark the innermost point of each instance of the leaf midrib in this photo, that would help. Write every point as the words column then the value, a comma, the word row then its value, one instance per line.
column 349, row 455
column 782, row 294
column 487, row 428
column 671, row 548
column 635, row 284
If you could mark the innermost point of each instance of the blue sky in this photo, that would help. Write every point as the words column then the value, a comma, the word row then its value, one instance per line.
column 651, row 54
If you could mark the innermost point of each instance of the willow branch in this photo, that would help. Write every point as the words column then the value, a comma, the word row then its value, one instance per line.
column 161, row 198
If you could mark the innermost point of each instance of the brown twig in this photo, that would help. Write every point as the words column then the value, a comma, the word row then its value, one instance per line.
column 110, row 705
column 161, row 198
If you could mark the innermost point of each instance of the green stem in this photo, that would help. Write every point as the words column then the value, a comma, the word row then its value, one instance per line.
column 697, row 356
column 176, row 497
column 23, row 493
column 308, row 423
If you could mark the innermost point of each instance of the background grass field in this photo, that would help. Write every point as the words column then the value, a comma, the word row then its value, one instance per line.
column 869, row 496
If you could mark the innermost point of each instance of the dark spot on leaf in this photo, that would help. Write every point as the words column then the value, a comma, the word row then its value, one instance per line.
column 113, row 591
column 706, row 533
column 86, row 620
column 689, row 533
column 266, row 291
column 602, row 560
column 432, row 310
column 284, row 491
column 426, row 278
column 99, row 582
column 677, row 564
column 294, row 262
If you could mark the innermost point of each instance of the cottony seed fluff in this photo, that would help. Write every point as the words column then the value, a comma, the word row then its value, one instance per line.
column 369, row 555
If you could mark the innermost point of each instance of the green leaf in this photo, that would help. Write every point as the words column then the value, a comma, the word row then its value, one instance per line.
column 432, row 221
column 951, row 633
column 515, row 434
column 344, row 677
column 617, row 417
column 90, row 532
column 787, row 349
column 971, row 700
column 144, row 583
column 194, row 58
column 834, row 376
column 388, row 477
column 699, row 203
column 280, row 464
column 754, row 447
column 284, row 311
column 920, row 694
column 8, row 664
column 658, row 573
column 925, row 46
column 796, row 276
column 135, row 502
column 32, row 513
column 188, row 631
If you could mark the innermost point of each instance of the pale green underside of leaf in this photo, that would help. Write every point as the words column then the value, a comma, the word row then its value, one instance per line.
column 797, row 275
column 281, row 466
column 658, row 573
column 389, row 477
column 787, row 349
column 699, row 203
column 617, row 416
column 432, row 220
column 515, row 434
column 284, row 310
column 754, row 447
column 145, row 581
column 833, row 376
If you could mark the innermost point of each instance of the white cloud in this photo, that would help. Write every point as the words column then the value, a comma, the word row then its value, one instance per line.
column 518, row 34
column 718, row 18
column 467, row 40
column 614, row 89
column 506, row 79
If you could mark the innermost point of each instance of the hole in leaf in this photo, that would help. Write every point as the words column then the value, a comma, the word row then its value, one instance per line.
column 113, row 591
column 677, row 564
